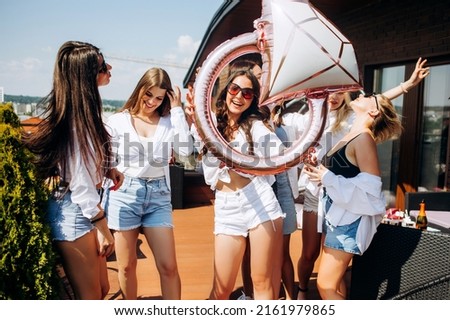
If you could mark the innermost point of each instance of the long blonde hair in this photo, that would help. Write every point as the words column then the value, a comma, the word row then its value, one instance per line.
column 387, row 125
column 342, row 114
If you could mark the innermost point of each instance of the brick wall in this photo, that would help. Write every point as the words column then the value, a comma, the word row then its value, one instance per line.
column 388, row 31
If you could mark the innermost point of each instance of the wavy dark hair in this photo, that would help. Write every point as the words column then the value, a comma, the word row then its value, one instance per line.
column 72, row 120
column 247, row 118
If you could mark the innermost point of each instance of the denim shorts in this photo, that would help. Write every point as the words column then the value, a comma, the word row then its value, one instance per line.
column 139, row 203
column 341, row 237
column 66, row 220
column 283, row 192
column 235, row 213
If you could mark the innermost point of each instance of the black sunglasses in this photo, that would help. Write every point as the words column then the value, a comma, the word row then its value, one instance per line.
column 373, row 94
column 234, row 89
column 103, row 67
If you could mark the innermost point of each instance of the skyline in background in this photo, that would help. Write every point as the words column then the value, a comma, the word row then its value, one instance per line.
column 133, row 36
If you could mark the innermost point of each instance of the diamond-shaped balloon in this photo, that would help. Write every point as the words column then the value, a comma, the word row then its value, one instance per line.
column 303, row 54
column 306, row 51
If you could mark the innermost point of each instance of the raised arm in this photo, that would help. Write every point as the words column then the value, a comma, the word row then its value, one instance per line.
column 419, row 73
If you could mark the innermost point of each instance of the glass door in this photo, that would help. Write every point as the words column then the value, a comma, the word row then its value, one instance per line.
column 388, row 151
column 434, row 143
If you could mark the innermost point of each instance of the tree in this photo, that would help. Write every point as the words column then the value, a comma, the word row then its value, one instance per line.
column 27, row 265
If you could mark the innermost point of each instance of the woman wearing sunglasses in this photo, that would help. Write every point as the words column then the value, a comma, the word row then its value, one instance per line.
column 339, row 123
column 70, row 148
column 245, row 204
column 353, row 201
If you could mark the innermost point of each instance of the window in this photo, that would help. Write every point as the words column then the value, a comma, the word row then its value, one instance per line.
column 388, row 152
column 435, row 122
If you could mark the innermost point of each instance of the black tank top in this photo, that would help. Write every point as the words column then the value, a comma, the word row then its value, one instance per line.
column 339, row 164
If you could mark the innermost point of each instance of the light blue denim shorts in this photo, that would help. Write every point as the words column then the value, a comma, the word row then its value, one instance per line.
column 283, row 192
column 341, row 237
column 139, row 203
column 66, row 220
column 235, row 213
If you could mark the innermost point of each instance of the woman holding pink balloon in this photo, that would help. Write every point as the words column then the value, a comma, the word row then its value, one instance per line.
column 245, row 204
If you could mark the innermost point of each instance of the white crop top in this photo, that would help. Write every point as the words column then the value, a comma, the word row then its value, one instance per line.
column 214, row 170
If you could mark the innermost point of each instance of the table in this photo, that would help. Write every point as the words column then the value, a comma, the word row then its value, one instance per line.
column 403, row 263
column 439, row 218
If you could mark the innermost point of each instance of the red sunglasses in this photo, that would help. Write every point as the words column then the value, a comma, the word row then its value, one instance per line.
column 234, row 89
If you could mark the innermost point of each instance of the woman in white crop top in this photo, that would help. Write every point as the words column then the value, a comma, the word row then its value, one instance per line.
column 149, row 127
column 245, row 204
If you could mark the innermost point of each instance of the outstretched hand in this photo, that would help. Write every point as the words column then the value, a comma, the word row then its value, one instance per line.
column 420, row 72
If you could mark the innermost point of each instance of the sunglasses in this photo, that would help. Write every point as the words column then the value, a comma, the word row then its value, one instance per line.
column 234, row 89
column 103, row 67
column 373, row 94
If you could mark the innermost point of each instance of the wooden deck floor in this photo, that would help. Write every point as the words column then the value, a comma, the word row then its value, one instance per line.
column 194, row 244
column 194, row 241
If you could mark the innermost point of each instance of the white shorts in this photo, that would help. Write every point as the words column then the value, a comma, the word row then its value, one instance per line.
column 311, row 202
column 235, row 213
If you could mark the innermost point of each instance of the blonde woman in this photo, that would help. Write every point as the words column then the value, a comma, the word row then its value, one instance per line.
column 353, row 201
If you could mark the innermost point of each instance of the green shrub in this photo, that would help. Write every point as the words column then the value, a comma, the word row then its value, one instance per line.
column 27, row 265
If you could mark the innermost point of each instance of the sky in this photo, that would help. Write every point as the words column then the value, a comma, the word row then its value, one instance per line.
column 151, row 32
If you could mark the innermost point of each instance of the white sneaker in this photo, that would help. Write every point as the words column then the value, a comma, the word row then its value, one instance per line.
column 244, row 297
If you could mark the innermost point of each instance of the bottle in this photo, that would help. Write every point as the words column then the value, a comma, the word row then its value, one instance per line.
column 422, row 221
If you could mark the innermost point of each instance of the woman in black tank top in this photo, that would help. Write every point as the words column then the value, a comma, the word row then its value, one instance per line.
column 338, row 163
column 353, row 200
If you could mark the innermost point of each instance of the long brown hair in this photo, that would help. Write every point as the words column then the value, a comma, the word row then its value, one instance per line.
column 154, row 77
column 247, row 117
column 73, row 115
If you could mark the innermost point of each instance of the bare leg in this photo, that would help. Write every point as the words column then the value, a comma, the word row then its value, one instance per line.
column 228, row 253
column 162, row 244
column 263, row 250
column 246, row 272
column 277, row 260
column 104, row 281
column 127, row 262
column 81, row 263
column 288, row 269
column 311, row 241
column 333, row 266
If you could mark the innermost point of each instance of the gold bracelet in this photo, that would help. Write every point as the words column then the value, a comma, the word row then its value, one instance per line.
column 403, row 89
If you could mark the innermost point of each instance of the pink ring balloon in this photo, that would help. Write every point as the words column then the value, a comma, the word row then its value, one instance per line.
column 207, row 76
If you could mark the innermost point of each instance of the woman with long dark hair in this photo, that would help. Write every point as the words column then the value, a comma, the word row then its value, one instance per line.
column 72, row 152
column 245, row 204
